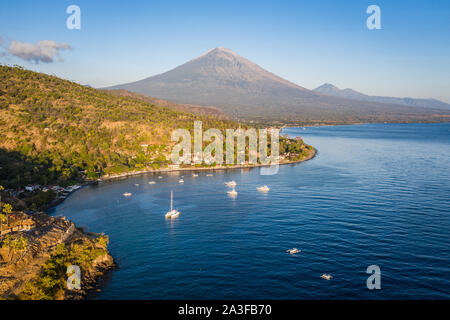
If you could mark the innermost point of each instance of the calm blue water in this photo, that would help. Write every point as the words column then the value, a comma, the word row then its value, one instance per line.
column 375, row 194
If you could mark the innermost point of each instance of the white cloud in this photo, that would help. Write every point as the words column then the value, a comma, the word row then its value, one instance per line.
column 44, row 51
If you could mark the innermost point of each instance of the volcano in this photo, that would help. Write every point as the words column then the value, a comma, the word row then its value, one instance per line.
column 242, row 89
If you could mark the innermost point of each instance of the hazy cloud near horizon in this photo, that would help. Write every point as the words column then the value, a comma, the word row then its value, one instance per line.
column 45, row 51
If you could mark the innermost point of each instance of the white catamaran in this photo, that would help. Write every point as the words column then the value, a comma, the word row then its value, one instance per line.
column 172, row 214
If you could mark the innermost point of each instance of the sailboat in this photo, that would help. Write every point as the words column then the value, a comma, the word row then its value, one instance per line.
column 172, row 214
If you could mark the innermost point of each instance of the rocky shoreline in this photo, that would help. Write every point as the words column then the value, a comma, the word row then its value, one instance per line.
column 22, row 273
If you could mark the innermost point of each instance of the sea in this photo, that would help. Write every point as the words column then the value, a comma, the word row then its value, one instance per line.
column 374, row 195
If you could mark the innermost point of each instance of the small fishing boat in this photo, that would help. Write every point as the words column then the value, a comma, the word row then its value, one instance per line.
column 172, row 214
column 181, row 181
column 159, row 177
column 326, row 276
column 136, row 185
column 293, row 251
column 233, row 193
column 230, row 183
column 195, row 175
column 263, row 189
column 209, row 175
column 127, row 194
column 151, row 182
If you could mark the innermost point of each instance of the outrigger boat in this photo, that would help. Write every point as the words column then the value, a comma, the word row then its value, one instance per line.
column 231, row 183
column 263, row 189
column 326, row 276
column 293, row 251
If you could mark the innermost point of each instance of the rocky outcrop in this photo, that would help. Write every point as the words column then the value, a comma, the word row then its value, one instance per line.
column 17, row 268
column 91, row 279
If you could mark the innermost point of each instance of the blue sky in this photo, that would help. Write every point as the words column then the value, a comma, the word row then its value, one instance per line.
column 307, row 42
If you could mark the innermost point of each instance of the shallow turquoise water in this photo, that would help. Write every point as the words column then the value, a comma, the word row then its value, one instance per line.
column 375, row 194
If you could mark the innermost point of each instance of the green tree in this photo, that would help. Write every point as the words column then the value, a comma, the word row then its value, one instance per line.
column 7, row 210
column 15, row 245
column 2, row 219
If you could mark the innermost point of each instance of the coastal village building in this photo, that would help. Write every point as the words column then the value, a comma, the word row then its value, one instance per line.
column 32, row 188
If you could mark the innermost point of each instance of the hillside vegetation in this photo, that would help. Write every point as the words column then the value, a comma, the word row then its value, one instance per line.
column 184, row 107
column 54, row 130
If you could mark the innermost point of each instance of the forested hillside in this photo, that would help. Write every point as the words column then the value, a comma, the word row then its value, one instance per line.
column 54, row 130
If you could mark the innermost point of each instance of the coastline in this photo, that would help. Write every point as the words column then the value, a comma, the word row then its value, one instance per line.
column 137, row 173
column 325, row 125
column 167, row 170
column 356, row 124
column 107, row 264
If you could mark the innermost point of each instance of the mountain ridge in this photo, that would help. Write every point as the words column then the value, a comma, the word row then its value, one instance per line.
column 244, row 90
column 330, row 89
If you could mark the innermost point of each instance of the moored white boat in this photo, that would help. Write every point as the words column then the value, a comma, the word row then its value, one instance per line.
column 230, row 183
column 326, row 276
column 172, row 214
column 263, row 189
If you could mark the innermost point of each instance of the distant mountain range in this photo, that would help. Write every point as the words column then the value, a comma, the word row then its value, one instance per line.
column 244, row 90
column 332, row 90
